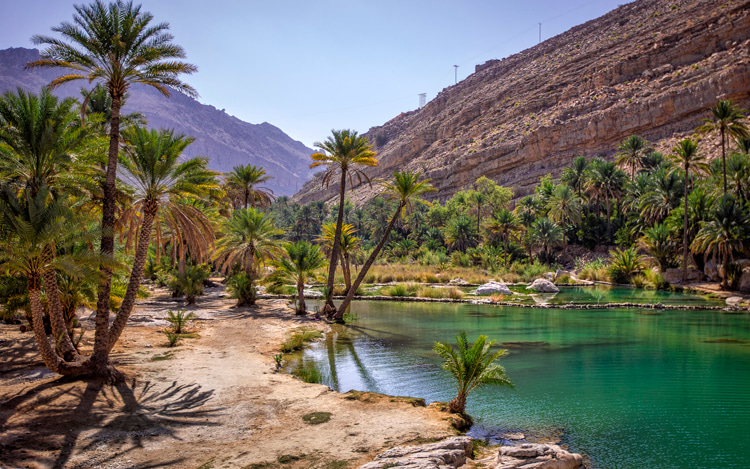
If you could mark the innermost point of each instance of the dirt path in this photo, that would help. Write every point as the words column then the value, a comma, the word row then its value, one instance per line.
column 214, row 401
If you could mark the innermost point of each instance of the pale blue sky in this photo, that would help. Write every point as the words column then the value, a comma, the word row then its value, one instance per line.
column 311, row 66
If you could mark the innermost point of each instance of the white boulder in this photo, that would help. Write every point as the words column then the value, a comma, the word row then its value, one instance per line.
column 492, row 288
column 542, row 285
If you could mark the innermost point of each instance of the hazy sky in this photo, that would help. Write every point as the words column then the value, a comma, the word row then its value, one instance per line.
column 310, row 66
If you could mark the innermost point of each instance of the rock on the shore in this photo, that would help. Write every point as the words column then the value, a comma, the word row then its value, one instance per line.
column 492, row 287
column 536, row 456
column 711, row 270
column 674, row 276
column 543, row 286
column 449, row 453
column 744, row 285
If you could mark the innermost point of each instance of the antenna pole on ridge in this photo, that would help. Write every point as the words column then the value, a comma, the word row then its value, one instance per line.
column 455, row 69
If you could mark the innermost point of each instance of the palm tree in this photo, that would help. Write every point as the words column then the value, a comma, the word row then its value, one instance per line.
column 664, row 192
column 460, row 234
column 97, row 102
column 243, row 182
column 659, row 242
column 727, row 121
column 161, row 182
column 343, row 152
column 575, row 175
column 39, row 138
column 248, row 239
column 33, row 223
column 300, row 263
column 349, row 245
column 477, row 199
column 605, row 181
column 686, row 154
column 546, row 234
column 504, row 223
column 631, row 153
column 407, row 190
column 564, row 205
column 115, row 45
column 723, row 233
column 473, row 366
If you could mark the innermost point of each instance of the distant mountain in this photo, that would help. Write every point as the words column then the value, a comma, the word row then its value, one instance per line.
column 224, row 139
column 649, row 67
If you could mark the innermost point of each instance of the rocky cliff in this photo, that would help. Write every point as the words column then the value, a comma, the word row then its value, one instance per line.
column 224, row 139
column 650, row 67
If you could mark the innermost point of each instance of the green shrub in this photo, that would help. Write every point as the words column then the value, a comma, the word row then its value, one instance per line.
column 655, row 280
column 299, row 339
column 595, row 270
column 398, row 290
column 242, row 288
column 190, row 283
column 461, row 259
column 172, row 338
column 624, row 264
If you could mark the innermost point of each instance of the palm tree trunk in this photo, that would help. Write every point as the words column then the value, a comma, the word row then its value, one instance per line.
column 347, row 272
column 49, row 357
column 565, row 240
column 724, row 160
column 136, row 273
column 301, row 306
column 368, row 263
column 609, row 222
column 685, row 229
column 59, row 328
column 329, row 306
column 100, row 356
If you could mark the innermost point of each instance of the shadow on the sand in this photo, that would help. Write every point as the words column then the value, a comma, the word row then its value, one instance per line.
column 50, row 418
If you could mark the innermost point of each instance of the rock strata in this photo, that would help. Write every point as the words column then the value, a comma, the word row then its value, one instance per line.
column 446, row 454
column 649, row 67
column 536, row 456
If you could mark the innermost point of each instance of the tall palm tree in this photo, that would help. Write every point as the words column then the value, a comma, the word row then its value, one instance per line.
column 564, row 206
column 407, row 190
column 460, row 233
column 473, row 366
column 477, row 199
column 299, row 264
column 686, row 154
column 343, row 152
column 248, row 239
column 244, row 182
column 114, row 44
column 664, row 192
column 605, row 181
column 631, row 152
column 97, row 102
column 723, row 233
column 576, row 174
column 504, row 223
column 727, row 120
column 162, row 183
column 659, row 242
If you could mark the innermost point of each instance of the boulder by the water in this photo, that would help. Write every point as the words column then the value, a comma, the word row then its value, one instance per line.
column 674, row 276
column 744, row 284
column 451, row 452
column 543, row 286
column 532, row 455
column 492, row 287
column 735, row 301
column 312, row 294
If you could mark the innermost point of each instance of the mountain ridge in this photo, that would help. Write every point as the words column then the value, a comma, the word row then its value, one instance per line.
column 648, row 67
column 225, row 139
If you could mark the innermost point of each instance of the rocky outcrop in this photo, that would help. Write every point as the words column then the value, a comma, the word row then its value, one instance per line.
column 492, row 288
column 536, row 456
column 542, row 285
column 449, row 453
column 674, row 276
column 224, row 139
column 649, row 67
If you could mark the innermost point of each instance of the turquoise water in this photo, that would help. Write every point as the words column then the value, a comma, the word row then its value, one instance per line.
column 630, row 388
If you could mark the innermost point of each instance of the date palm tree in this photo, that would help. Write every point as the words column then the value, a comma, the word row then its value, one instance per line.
column 407, row 190
column 243, row 183
column 576, row 174
column 162, row 183
column 248, row 239
column 723, row 233
column 631, row 152
column 727, row 121
column 546, row 234
column 504, row 223
column 299, row 264
column 349, row 244
column 564, row 206
column 117, row 45
column 344, row 152
column 606, row 182
column 658, row 240
column 473, row 366
column 686, row 154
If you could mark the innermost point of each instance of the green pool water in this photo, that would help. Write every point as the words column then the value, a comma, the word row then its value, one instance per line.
column 630, row 388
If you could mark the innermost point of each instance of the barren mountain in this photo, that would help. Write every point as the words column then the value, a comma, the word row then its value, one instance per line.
column 651, row 67
column 224, row 139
